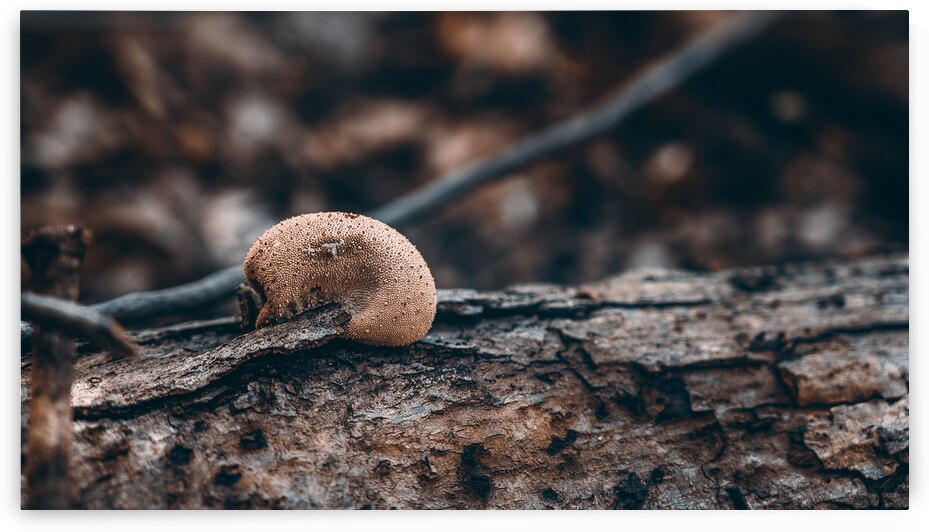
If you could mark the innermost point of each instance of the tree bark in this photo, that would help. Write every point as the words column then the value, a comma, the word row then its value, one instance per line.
column 780, row 387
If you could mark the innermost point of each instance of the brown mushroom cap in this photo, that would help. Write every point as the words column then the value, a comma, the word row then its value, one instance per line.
column 367, row 266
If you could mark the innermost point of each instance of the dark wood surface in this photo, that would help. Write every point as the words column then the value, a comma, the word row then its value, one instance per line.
column 781, row 387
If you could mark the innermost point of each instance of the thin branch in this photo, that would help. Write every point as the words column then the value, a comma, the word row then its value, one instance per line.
column 668, row 74
column 177, row 299
column 78, row 320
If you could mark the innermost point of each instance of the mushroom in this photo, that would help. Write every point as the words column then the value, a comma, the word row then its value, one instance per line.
column 366, row 266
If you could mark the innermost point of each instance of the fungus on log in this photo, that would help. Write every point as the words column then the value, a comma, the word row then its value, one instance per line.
column 366, row 266
column 780, row 387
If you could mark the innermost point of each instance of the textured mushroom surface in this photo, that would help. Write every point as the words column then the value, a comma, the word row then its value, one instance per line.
column 369, row 268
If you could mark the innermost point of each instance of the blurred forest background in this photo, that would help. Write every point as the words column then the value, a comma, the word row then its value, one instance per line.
column 177, row 138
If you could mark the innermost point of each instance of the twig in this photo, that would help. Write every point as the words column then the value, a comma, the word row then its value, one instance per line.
column 659, row 80
column 78, row 320
column 130, row 386
column 177, row 299
column 54, row 256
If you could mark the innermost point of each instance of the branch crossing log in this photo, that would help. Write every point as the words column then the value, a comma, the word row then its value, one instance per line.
column 781, row 387
column 78, row 320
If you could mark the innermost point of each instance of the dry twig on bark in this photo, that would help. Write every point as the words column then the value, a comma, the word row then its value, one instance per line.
column 78, row 320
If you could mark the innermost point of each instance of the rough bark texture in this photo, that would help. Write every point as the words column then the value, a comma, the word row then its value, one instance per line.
column 767, row 388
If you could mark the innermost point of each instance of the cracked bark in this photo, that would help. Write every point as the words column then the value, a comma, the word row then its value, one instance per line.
column 780, row 387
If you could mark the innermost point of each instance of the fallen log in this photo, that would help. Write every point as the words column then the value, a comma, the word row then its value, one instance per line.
column 775, row 387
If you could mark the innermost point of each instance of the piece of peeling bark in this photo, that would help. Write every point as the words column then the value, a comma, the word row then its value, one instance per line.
column 119, row 385
column 656, row 389
column 877, row 367
column 863, row 437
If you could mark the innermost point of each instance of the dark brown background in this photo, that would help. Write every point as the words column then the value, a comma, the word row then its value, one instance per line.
column 178, row 138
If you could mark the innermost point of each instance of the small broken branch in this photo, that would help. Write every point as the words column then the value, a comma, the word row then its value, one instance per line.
column 78, row 320
column 54, row 256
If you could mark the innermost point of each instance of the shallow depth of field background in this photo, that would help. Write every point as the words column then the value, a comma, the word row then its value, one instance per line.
column 178, row 138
